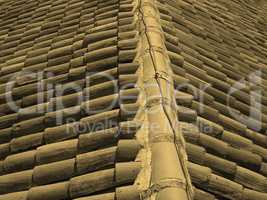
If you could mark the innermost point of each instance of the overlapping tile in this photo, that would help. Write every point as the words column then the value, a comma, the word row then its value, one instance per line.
column 69, row 59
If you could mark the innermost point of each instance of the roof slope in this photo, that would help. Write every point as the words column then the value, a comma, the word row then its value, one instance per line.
column 221, row 105
column 124, row 99
column 53, row 145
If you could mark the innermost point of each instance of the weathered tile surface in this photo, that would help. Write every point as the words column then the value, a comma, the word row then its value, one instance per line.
column 77, row 90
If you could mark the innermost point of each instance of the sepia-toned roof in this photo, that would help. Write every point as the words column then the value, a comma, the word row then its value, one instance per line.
column 133, row 100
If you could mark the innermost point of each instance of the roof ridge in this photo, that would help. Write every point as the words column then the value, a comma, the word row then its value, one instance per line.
column 170, row 178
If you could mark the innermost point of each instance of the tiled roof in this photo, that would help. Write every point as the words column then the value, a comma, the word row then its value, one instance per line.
column 133, row 100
